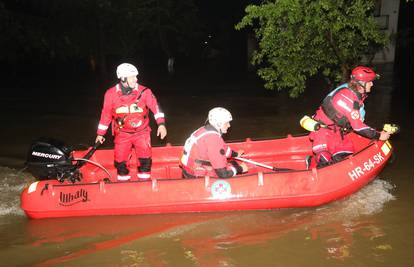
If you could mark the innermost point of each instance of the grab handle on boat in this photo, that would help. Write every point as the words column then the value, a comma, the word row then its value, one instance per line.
column 261, row 164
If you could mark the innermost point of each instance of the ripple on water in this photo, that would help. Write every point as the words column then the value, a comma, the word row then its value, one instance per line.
column 369, row 200
column 12, row 182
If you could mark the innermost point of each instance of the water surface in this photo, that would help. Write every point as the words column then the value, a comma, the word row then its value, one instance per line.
column 373, row 227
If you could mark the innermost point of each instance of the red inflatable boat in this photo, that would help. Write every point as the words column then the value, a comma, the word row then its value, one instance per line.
column 278, row 178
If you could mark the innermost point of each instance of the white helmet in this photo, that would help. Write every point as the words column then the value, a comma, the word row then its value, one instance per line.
column 219, row 116
column 126, row 70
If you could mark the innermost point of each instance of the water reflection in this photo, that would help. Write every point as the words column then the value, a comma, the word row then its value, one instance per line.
column 348, row 232
column 335, row 227
column 335, row 231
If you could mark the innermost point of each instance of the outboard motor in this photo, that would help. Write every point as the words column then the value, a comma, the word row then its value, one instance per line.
column 48, row 158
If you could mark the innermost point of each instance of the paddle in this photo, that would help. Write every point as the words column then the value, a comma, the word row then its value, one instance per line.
column 262, row 164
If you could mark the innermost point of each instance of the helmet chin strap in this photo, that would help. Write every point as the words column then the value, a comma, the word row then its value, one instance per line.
column 129, row 86
column 127, row 89
column 363, row 85
column 218, row 129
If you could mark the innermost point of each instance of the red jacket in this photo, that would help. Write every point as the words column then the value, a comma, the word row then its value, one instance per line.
column 128, row 113
column 205, row 151
column 345, row 107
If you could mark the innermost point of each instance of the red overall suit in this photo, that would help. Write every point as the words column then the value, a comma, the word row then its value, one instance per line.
column 130, row 125
column 205, row 154
column 342, row 111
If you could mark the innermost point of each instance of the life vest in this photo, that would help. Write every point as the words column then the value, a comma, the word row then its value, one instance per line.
column 190, row 160
column 130, row 114
column 338, row 118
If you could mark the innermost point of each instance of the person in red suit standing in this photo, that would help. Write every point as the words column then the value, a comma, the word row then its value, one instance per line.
column 205, row 152
column 341, row 112
column 127, row 105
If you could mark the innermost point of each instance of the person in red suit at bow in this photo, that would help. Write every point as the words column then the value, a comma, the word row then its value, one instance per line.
column 127, row 106
column 341, row 112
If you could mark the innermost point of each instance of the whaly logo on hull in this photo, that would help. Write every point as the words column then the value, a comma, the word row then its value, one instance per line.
column 69, row 199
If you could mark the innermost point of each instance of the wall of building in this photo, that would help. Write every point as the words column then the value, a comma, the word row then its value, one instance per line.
column 387, row 18
column 386, row 14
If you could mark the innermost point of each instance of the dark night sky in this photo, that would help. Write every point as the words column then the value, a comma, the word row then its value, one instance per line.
column 219, row 18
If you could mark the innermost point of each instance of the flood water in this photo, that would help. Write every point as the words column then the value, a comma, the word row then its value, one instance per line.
column 373, row 227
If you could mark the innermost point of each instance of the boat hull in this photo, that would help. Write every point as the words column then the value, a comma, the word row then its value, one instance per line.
column 261, row 189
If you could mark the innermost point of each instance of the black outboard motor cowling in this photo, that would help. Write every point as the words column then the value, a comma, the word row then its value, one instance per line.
column 50, row 159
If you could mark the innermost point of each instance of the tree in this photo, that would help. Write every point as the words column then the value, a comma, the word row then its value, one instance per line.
column 42, row 31
column 168, row 26
column 45, row 31
column 299, row 38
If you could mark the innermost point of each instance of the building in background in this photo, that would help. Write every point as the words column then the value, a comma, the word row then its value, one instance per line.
column 386, row 14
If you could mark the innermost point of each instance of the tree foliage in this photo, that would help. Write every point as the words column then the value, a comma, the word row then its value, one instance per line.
column 45, row 30
column 299, row 38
